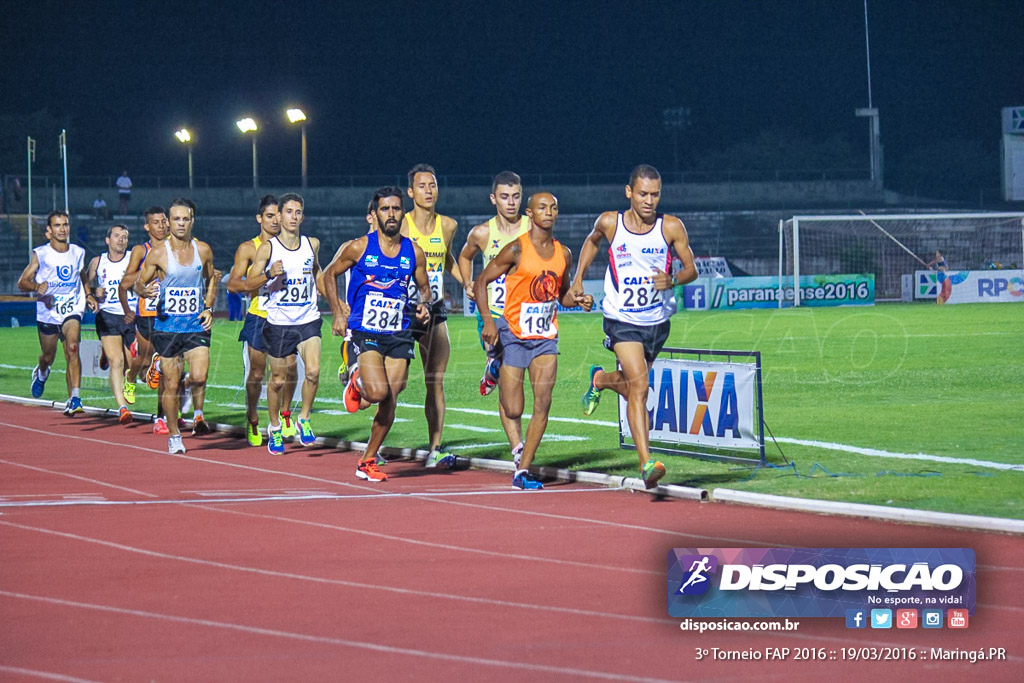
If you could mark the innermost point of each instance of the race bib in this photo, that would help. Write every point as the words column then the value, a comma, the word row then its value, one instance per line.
column 64, row 304
column 182, row 301
column 497, row 293
column 637, row 297
column 382, row 313
column 436, row 281
column 538, row 319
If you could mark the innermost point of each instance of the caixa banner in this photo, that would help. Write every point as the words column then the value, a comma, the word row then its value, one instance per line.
column 708, row 403
column 817, row 582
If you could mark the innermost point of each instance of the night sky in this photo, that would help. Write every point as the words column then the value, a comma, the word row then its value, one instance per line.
column 474, row 88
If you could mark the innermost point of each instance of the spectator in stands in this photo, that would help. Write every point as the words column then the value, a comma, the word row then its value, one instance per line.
column 124, row 192
column 99, row 207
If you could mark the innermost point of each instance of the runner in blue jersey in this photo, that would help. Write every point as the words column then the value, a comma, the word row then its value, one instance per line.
column 181, row 274
column 382, row 264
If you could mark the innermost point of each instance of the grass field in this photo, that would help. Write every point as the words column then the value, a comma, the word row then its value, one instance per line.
column 901, row 379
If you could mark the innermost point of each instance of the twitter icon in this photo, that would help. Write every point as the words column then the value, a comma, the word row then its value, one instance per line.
column 881, row 618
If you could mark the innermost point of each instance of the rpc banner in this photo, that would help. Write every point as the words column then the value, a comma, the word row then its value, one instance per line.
column 700, row 402
column 818, row 582
column 970, row 286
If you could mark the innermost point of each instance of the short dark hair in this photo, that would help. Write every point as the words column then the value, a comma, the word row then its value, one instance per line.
column 154, row 210
column 644, row 171
column 183, row 201
column 268, row 200
column 382, row 192
column 291, row 197
column 54, row 214
column 506, row 178
column 110, row 230
column 421, row 168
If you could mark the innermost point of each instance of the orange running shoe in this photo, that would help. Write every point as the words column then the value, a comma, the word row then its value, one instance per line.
column 160, row 426
column 153, row 374
column 125, row 416
column 367, row 470
column 352, row 393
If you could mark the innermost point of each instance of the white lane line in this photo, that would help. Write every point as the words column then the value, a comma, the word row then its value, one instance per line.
column 45, row 675
column 342, row 582
column 526, row 416
column 376, row 647
column 472, row 428
column 876, row 453
column 72, row 476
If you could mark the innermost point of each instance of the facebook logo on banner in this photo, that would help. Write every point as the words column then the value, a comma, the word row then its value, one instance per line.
column 856, row 618
column 695, row 297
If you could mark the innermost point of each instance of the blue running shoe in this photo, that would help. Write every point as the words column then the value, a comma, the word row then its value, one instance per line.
column 38, row 382
column 275, row 441
column 306, row 436
column 74, row 406
column 593, row 395
column 526, row 481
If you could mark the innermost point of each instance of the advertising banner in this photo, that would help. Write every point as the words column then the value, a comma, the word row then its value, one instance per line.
column 970, row 286
column 700, row 402
column 737, row 293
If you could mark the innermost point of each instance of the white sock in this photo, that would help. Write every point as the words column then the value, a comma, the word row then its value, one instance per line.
column 76, row 393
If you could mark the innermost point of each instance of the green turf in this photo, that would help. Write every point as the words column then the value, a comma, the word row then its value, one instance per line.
column 938, row 380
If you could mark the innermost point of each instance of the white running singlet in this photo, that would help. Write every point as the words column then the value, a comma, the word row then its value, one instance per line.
column 629, row 293
column 292, row 299
column 108, row 276
column 63, row 273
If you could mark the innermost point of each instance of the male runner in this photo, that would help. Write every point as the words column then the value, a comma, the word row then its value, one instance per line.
column 536, row 266
column 182, row 275
column 287, row 264
column 269, row 218
column 433, row 233
column 382, row 263
column 116, row 336
column 638, row 300
column 56, row 275
column 143, row 316
column 489, row 239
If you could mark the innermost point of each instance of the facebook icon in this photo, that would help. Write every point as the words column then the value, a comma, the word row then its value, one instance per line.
column 695, row 297
column 856, row 618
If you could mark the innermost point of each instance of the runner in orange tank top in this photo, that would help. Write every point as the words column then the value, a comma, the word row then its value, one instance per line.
column 536, row 266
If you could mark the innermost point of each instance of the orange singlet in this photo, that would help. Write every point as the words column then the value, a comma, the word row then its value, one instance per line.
column 531, row 301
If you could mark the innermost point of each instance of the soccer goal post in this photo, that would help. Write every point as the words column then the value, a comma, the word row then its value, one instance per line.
column 888, row 246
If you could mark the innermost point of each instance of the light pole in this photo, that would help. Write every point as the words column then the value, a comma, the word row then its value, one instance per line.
column 31, row 150
column 248, row 125
column 185, row 138
column 63, row 140
column 676, row 120
column 870, row 112
column 296, row 115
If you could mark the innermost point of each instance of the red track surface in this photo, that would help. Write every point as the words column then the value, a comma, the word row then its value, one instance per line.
column 165, row 568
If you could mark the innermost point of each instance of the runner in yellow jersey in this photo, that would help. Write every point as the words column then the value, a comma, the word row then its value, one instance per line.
column 433, row 233
column 252, row 329
column 489, row 238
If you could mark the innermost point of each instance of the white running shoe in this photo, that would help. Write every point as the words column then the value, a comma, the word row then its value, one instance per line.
column 174, row 445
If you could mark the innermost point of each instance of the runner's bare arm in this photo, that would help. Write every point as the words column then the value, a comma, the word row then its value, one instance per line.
column 243, row 259
column 505, row 262
column 679, row 241
column 475, row 242
column 210, row 274
column 604, row 229
column 346, row 257
column 423, row 284
column 568, row 296
column 154, row 267
column 448, row 228
column 93, row 293
column 131, row 275
column 27, row 281
column 317, row 273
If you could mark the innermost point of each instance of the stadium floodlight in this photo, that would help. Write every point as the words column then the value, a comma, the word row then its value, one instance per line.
column 185, row 138
column 296, row 115
column 248, row 125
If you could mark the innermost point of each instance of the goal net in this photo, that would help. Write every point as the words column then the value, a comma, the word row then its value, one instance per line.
column 891, row 245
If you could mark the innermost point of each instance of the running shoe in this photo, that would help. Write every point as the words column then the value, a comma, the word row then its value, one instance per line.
column 367, row 470
column 174, row 444
column 134, row 349
column 352, row 394
column 593, row 395
column 153, row 374
column 651, row 473
column 38, row 382
column 200, row 427
column 526, row 481
column 74, row 406
column 517, row 454
column 129, row 391
column 181, row 423
column 124, row 416
column 275, row 442
column 288, row 429
column 254, row 435
column 490, row 378
column 160, row 426
column 344, row 369
column 104, row 361
column 439, row 458
column 306, row 436
column 380, row 460
column 67, row 408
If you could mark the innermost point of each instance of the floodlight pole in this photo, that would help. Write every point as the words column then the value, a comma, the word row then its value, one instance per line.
column 255, row 167
column 63, row 139
column 305, row 168
column 31, row 153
